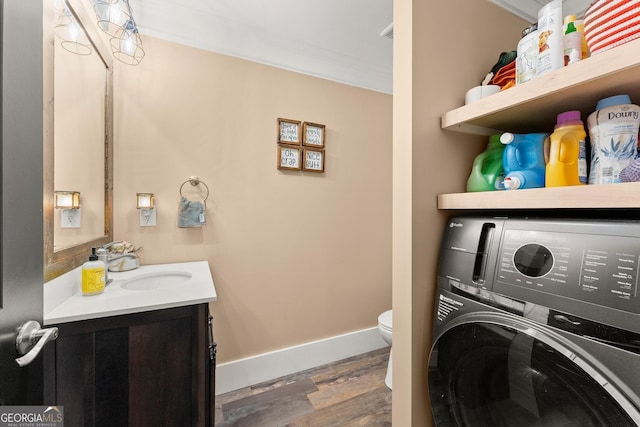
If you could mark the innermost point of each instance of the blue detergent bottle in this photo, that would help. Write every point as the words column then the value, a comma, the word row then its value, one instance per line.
column 523, row 160
column 487, row 172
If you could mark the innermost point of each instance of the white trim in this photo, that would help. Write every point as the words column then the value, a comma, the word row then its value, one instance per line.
column 268, row 366
column 310, row 62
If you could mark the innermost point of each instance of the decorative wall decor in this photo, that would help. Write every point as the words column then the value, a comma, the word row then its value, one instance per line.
column 289, row 157
column 289, row 132
column 301, row 146
column 313, row 135
column 313, row 160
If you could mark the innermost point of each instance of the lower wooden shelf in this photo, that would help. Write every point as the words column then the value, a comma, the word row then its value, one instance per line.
column 623, row 195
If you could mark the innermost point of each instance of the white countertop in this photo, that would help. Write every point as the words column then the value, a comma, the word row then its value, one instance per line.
column 64, row 302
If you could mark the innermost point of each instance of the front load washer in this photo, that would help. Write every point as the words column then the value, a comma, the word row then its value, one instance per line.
column 537, row 323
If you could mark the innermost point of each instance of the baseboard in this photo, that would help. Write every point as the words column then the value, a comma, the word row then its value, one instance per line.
column 268, row 366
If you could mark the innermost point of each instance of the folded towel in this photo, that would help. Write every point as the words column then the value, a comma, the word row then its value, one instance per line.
column 505, row 77
column 505, row 59
column 191, row 214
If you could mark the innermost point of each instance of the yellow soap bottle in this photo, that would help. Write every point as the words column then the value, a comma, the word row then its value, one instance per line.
column 93, row 275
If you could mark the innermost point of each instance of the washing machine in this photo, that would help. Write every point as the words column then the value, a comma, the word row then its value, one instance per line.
column 537, row 323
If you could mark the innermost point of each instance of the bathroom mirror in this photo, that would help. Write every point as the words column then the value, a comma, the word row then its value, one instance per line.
column 78, row 139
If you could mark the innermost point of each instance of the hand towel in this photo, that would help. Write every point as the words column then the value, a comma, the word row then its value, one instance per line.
column 191, row 214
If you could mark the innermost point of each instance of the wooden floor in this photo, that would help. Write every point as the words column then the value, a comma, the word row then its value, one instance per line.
column 347, row 393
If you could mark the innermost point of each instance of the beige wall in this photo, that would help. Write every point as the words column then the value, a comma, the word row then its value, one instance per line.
column 439, row 53
column 295, row 256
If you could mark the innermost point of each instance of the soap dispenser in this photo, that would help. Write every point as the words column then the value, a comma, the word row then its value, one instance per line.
column 93, row 275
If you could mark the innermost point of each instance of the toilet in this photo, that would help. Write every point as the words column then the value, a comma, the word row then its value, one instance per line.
column 384, row 326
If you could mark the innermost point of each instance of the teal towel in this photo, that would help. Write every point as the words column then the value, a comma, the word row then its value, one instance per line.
column 191, row 214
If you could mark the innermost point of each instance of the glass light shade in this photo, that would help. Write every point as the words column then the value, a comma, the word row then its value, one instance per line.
column 67, row 199
column 71, row 36
column 112, row 16
column 127, row 47
column 145, row 200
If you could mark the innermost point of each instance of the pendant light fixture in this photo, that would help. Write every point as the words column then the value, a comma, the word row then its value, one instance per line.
column 127, row 45
column 115, row 18
column 72, row 37
column 112, row 15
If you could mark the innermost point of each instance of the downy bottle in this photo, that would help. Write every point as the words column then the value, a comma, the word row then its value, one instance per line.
column 613, row 132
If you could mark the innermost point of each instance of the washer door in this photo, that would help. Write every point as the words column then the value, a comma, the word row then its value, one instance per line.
column 486, row 374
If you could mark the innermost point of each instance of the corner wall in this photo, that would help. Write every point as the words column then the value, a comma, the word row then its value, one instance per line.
column 441, row 49
column 295, row 256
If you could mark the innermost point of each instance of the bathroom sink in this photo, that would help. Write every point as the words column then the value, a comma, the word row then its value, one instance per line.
column 147, row 288
column 155, row 280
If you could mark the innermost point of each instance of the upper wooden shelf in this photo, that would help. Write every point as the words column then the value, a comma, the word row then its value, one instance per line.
column 534, row 105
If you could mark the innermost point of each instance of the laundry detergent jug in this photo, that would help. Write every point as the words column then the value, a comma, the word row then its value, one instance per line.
column 523, row 160
column 487, row 171
column 566, row 166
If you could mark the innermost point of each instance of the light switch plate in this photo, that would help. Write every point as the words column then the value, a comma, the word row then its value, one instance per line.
column 70, row 218
column 147, row 217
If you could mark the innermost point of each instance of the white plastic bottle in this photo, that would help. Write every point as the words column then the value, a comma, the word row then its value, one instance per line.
column 527, row 55
column 572, row 44
column 93, row 276
column 550, row 38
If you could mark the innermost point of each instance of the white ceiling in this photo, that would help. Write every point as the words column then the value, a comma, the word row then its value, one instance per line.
column 333, row 39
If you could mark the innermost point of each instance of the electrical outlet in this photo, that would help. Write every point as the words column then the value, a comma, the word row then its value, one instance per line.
column 70, row 218
column 148, row 217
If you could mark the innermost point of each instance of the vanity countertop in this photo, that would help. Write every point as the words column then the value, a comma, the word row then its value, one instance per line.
column 64, row 302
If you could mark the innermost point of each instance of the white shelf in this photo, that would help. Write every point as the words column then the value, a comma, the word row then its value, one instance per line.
column 533, row 107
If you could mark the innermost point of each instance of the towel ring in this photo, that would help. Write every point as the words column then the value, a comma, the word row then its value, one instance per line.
column 194, row 181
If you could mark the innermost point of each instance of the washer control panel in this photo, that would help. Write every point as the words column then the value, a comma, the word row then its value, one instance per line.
column 600, row 269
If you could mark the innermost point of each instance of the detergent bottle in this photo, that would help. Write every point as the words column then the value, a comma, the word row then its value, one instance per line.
column 523, row 160
column 487, row 172
column 566, row 166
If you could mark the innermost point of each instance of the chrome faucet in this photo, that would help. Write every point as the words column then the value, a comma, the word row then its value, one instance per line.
column 117, row 262
column 104, row 257
column 106, row 246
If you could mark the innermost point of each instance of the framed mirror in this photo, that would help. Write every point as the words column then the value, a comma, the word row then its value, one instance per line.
column 78, row 135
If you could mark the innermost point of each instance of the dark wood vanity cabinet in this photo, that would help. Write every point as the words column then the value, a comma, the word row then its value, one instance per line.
column 154, row 368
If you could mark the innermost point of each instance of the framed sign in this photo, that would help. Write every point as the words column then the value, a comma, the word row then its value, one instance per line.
column 289, row 157
column 313, row 135
column 313, row 160
column 289, row 131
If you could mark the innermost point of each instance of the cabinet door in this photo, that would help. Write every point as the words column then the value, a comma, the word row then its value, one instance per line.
column 91, row 377
column 146, row 369
column 160, row 373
